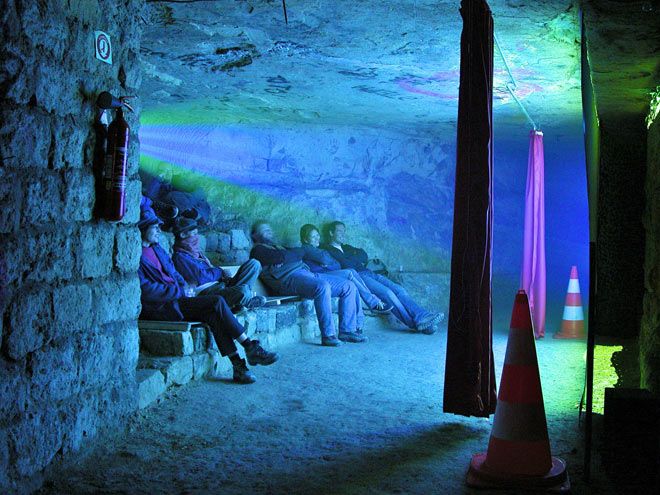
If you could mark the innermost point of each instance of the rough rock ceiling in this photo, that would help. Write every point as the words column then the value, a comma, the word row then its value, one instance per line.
column 624, row 44
column 350, row 62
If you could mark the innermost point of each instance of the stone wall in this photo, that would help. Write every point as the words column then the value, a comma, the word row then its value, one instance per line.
column 649, row 339
column 69, row 291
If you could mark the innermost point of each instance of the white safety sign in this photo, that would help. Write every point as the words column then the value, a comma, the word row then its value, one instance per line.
column 102, row 47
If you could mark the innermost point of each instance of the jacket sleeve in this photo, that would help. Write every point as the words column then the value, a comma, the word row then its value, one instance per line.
column 358, row 254
column 154, row 291
column 193, row 271
column 320, row 257
column 267, row 256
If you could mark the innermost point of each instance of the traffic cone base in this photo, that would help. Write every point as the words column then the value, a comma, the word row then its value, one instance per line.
column 555, row 480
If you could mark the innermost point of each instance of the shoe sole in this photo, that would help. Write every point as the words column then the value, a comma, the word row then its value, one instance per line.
column 263, row 362
column 352, row 339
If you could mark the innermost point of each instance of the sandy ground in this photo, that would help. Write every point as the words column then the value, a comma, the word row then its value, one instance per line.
column 360, row 419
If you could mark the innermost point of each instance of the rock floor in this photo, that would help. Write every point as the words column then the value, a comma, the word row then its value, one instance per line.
column 360, row 419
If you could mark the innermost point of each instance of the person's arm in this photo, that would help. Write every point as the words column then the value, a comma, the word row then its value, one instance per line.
column 168, row 266
column 358, row 254
column 157, row 292
column 267, row 256
column 195, row 272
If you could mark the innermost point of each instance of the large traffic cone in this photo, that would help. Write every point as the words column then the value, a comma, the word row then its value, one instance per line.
column 572, row 323
column 519, row 449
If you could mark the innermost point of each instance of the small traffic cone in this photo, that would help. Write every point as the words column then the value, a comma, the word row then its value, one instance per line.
column 519, row 449
column 572, row 323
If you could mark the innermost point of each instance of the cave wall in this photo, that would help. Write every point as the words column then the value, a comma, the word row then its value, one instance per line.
column 394, row 191
column 649, row 339
column 69, row 293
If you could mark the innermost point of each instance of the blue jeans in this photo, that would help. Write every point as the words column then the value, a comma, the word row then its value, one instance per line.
column 322, row 288
column 405, row 309
column 238, row 290
column 369, row 298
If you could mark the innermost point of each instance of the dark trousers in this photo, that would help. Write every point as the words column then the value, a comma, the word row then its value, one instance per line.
column 214, row 311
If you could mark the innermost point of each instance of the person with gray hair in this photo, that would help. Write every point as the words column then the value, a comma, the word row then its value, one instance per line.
column 285, row 273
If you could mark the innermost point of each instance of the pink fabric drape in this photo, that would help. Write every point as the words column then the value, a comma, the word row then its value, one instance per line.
column 532, row 279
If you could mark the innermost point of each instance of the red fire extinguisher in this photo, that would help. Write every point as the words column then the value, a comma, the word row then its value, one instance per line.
column 114, row 173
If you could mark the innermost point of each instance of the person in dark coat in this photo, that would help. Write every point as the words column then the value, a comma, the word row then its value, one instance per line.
column 285, row 273
column 320, row 261
column 406, row 310
column 166, row 296
column 199, row 272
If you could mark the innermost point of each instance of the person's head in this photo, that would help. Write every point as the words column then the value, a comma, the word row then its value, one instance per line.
column 261, row 231
column 149, row 225
column 309, row 234
column 184, row 228
column 336, row 232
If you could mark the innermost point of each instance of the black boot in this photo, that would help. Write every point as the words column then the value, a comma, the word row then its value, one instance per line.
column 242, row 374
column 256, row 354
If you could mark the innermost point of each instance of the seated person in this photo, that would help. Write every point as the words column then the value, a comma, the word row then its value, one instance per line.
column 165, row 296
column 320, row 261
column 197, row 270
column 285, row 273
column 405, row 309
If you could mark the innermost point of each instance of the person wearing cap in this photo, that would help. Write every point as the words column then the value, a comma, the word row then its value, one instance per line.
column 166, row 296
column 406, row 310
column 198, row 271
column 285, row 273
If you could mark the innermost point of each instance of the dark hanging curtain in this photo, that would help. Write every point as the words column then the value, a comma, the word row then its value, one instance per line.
column 470, row 387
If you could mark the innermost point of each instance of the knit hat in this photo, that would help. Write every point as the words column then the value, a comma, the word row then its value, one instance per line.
column 147, row 219
column 182, row 225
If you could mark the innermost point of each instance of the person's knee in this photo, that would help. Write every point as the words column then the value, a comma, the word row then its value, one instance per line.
column 253, row 264
column 322, row 289
column 353, row 273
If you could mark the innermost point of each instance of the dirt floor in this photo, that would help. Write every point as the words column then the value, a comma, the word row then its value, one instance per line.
column 359, row 419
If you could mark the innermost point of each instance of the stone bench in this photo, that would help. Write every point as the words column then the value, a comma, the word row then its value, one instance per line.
column 174, row 353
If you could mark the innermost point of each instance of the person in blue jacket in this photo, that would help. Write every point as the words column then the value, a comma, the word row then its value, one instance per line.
column 406, row 310
column 199, row 272
column 285, row 273
column 166, row 296
column 320, row 261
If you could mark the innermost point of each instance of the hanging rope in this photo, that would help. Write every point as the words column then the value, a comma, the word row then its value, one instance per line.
column 511, row 86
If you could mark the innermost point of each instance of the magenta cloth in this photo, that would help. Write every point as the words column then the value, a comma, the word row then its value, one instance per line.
column 532, row 277
column 149, row 255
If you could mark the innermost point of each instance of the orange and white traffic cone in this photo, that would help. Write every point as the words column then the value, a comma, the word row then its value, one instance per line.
column 572, row 323
column 518, row 453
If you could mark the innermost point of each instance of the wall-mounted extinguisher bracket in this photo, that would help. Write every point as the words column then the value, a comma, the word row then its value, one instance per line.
column 113, row 175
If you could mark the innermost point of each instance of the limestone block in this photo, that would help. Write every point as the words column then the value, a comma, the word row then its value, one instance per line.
column 199, row 338
column 239, row 240
column 14, row 390
column 306, row 308
column 287, row 315
column 166, row 342
column 35, row 440
column 266, row 320
column 4, row 461
column 43, row 255
column 126, row 345
column 24, row 134
column 97, row 361
column 95, row 251
column 151, row 385
column 309, row 329
column 133, row 162
column 133, row 195
column 248, row 319
column 71, row 309
column 128, row 249
column 79, row 195
column 284, row 336
column 42, row 202
column 224, row 242
column 69, row 134
column 54, row 88
column 47, row 386
column 29, row 322
column 177, row 370
column 9, row 201
column 211, row 239
column 204, row 363
column 117, row 299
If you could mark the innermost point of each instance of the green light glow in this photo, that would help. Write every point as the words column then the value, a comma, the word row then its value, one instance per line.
column 604, row 374
column 654, row 107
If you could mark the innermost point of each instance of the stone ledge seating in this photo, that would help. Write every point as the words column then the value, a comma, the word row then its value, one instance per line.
column 175, row 352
